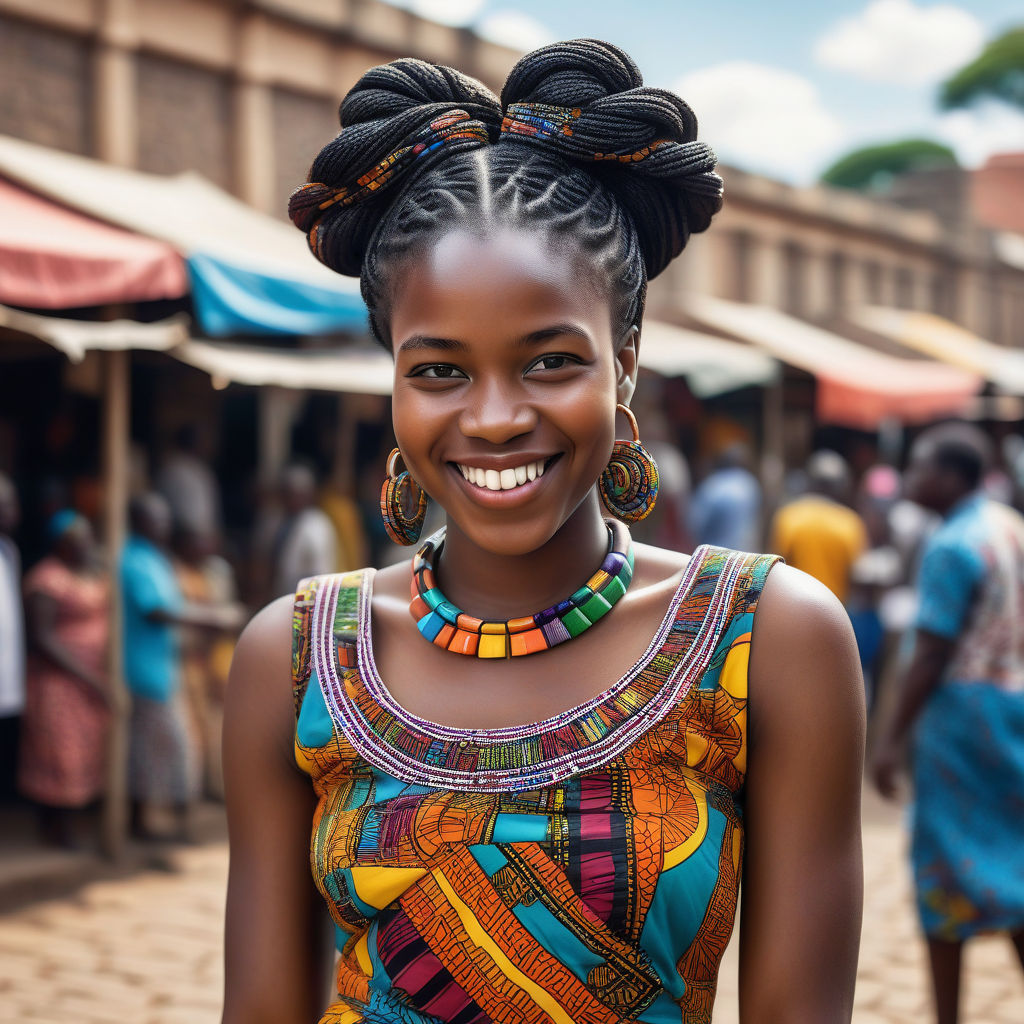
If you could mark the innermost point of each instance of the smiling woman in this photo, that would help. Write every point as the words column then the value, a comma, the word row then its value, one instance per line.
column 534, row 789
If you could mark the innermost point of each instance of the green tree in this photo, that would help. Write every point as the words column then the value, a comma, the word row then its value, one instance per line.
column 996, row 73
column 873, row 165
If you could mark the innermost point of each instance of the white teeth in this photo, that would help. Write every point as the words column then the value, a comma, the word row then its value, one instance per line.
column 503, row 479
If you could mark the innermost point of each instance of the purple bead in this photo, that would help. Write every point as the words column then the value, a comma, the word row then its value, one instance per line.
column 613, row 563
column 555, row 632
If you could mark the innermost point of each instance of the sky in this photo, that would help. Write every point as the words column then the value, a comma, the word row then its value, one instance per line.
column 784, row 88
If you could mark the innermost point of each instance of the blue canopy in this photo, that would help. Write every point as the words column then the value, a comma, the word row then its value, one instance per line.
column 230, row 299
column 251, row 273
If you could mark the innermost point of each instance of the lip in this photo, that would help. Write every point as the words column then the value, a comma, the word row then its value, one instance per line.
column 504, row 499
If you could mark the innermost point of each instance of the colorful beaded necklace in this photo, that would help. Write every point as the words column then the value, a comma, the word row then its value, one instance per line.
column 447, row 626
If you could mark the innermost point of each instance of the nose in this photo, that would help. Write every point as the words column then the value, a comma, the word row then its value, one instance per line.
column 496, row 413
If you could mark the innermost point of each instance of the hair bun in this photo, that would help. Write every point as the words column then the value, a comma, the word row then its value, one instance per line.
column 641, row 143
column 397, row 118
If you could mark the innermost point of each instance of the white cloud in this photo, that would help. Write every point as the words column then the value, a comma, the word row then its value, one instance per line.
column 981, row 130
column 449, row 12
column 762, row 118
column 515, row 29
column 896, row 41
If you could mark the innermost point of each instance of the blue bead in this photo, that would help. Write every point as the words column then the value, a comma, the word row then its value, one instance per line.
column 430, row 625
column 448, row 612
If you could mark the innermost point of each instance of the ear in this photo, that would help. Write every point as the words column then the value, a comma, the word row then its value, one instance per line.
column 627, row 362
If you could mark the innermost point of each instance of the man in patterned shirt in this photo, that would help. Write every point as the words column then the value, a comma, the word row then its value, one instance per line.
column 962, row 704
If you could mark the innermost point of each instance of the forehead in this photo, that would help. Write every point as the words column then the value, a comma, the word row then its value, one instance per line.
column 506, row 283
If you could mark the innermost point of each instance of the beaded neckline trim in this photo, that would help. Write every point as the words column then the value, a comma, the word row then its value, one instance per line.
column 521, row 757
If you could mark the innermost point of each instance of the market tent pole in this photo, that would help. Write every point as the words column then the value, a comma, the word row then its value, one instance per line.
column 773, row 456
column 116, row 405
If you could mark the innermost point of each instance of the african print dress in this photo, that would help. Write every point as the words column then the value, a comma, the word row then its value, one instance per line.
column 581, row 869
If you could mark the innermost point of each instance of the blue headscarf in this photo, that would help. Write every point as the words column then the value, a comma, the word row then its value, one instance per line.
column 60, row 522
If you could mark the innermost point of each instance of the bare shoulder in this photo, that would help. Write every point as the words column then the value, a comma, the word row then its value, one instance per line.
column 795, row 606
column 258, row 701
column 803, row 656
column 267, row 637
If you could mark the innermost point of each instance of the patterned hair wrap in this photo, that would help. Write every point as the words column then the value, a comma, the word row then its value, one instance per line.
column 548, row 122
column 453, row 130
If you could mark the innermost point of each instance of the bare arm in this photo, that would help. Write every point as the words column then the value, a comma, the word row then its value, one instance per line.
column 277, row 939
column 931, row 656
column 803, row 877
column 41, row 620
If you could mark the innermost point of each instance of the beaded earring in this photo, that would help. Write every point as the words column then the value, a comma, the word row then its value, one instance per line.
column 629, row 483
column 401, row 527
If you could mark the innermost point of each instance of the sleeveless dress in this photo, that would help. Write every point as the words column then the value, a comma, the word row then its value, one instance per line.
column 578, row 870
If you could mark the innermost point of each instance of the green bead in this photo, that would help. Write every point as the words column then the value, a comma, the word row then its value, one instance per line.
column 595, row 607
column 613, row 590
column 581, row 596
column 576, row 622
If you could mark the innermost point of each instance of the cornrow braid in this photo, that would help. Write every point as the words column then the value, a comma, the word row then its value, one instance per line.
column 576, row 148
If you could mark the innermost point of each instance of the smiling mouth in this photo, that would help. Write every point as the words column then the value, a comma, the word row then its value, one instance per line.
column 504, row 479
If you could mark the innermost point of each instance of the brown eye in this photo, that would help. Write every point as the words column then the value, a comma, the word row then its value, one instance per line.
column 438, row 371
column 553, row 362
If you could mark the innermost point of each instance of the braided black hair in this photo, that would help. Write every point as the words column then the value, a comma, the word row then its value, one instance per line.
column 587, row 152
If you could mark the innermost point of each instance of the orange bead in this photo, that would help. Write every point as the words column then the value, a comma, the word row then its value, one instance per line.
column 418, row 607
column 521, row 625
column 529, row 642
column 463, row 642
column 469, row 623
column 445, row 636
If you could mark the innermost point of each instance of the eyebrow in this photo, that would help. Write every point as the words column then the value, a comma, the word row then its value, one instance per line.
column 424, row 341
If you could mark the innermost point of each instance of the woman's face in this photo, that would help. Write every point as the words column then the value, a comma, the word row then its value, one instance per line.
column 506, row 372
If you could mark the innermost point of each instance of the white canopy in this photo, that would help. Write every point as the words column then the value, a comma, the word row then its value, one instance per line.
column 712, row 366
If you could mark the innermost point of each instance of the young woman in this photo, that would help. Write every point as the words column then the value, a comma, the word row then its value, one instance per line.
column 533, row 797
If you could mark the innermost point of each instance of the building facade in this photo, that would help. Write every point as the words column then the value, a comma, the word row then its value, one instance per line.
column 244, row 92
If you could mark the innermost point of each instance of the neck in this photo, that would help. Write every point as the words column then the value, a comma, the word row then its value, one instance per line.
column 496, row 586
column 956, row 501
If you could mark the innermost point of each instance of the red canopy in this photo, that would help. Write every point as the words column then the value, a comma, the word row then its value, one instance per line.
column 54, row 258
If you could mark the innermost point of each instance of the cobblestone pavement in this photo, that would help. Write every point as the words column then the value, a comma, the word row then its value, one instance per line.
column 147, row 949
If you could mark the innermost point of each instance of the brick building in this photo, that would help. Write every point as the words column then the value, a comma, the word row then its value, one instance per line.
column 242, row 92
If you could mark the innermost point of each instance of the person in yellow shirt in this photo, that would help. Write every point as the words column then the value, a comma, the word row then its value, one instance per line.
column 816, row 532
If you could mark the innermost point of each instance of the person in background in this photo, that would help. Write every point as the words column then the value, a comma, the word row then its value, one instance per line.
column 12, row 636
column 816, row 532
column 162, row 762
column 189, row 485
column 726, row 507
column 62, row 760
column 206, row 581
column 962, row 705
column 306, row 543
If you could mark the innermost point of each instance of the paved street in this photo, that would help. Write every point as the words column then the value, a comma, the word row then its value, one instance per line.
column 146, row 950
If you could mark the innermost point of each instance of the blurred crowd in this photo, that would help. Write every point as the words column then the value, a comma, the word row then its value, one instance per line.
column 178, row 592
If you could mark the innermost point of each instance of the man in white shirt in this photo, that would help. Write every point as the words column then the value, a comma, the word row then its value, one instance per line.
column 190, row 485
column 306, row 544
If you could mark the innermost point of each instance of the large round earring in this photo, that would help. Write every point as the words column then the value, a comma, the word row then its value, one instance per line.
column 629, row 483
column 402, row 528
